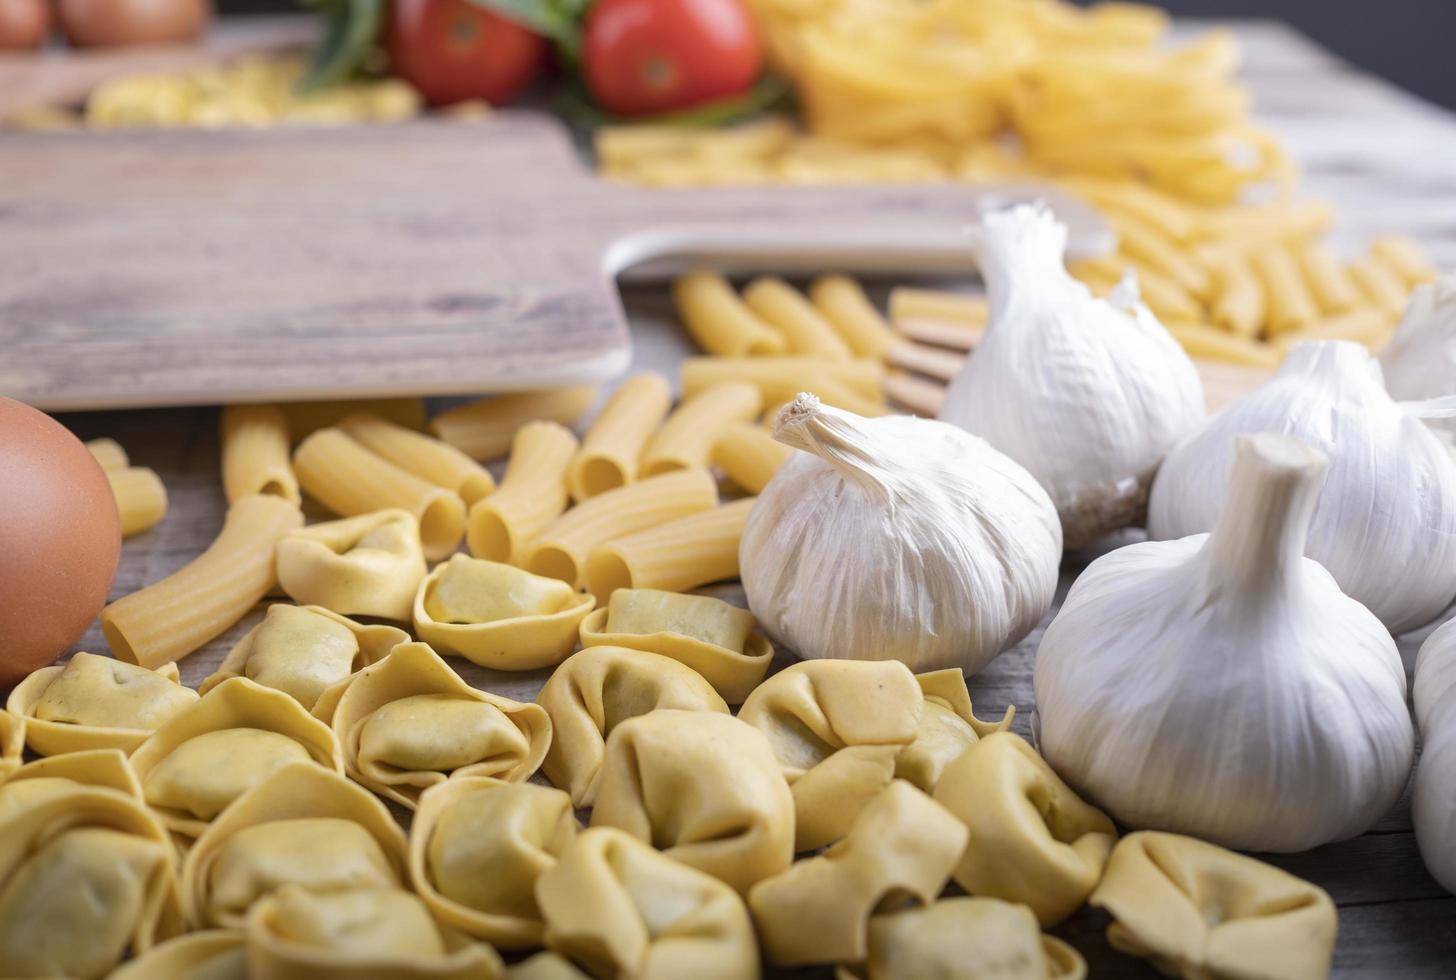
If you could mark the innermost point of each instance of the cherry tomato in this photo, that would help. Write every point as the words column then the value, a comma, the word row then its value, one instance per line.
column 646, row 56
column 452, row 50
column 23, row 23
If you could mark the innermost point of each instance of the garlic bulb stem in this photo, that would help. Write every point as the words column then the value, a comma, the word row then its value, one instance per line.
column 804, row 425
column 1022, row 256
column 1261, row 531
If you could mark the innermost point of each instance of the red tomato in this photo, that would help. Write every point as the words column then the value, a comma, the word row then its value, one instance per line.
column 23, row 23
column 645, row 56
column 452, row 50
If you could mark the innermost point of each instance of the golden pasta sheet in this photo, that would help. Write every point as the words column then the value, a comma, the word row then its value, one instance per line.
column 359, row 934
column 901, row 848
column 93, row 702
column 477, row 848
column 409, row 722
column 370, row 565
column 546, row 966
column 1196, row 910
column 596, row 690
column 621, row 909
column 702, row 787
column 947, row 727
column 497, row 615
column 303, row 825
column 1032, row 840
column 224, row 744
column 213, row 954
column 717, row 639
column 61, row 774
column 90, row 842
column 304, row 650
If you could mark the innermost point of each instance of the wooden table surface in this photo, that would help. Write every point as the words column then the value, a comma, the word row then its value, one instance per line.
column 1384, row 158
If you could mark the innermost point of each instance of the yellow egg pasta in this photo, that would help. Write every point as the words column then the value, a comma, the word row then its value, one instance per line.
column 676, row 556
column 1368, row 325
column 686, row 439
column 409, row 722
column 842, row 302
column 497, row 615
column 947, row 727
column 1328, row 280
column 613, row 445
column 169, row 619
column 909, row 303
column 92, row 702
column 779, row 379
column 141, row 498
column 485, row 429
column 255, row 444
column 1238, row 303
column 108, row 453
column 12, row 737
column 60, row 774
column 749, row 456
column 1290, row 303
column 561, row 549
column 350, row 480
column 719, row 321
column 306, row 418
column 1405, row 257
column 370, row 565
column 716, row 639
column 1202, row 341
column 432, row 460
column 785, row 309
column 532, row 494
column 1380, row 284
column 213, row 954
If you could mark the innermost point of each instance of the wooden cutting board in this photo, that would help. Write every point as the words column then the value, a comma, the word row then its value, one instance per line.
column 435, row 257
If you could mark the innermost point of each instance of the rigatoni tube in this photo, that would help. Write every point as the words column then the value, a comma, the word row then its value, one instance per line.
column 845, row 305
column 686, row 439
column 719, row 321
column 531, row 495
column 676, row 556
column 432, row 460
column 255, row 448
column 609, row 453
column 785, row 309
column 141, row 499
column 749, row 455
column 484, row 429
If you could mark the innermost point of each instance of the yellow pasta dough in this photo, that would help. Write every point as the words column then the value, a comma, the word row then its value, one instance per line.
column 621, row 909
column 303, row 825
column 785, row 309
column 485, row 429
column 92, row 842
column 60, row 774
column 255, row 443
column 409, row 722
column 598, row 689
column 702, row 787
column 370, row 565
column 681, row 554
column 303, row 650
column 429, row 459
column 497, row 615
column 92, row 702
column 686, row 439
column 749, row 455
column 719, row 321
column 844, row 304
column 141, row 499
column 213, row 954
column 947, row 727
column 532, row 494
column 716, row 639
column 609, row 453
column 1198, row 911
column 545, row 966
column 1032, row 840
column 359, row 934
column 901, row 848
column 214, row 750
column 477, row 848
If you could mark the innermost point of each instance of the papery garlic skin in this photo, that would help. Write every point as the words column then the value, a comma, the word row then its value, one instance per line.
column 1420, row 360
column 1385, row 526
column 1433, row 804
column 897, row 538
column 1222, row 685
column 1087, row 394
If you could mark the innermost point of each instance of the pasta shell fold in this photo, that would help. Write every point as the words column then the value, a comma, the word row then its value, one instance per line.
column 370, row 565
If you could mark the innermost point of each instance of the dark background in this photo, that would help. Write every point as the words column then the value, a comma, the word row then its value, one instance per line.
column 1411, row 42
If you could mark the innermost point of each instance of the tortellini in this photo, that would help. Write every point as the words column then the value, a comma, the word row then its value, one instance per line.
column 370, row 565
column 497, row 615
column 230, row 740
column 1198, row 911
column 86, row 876
column 359, row 934
column 901, row 847
column 717, row 639
column 702, row 787
column 304, row 650
column 12, row 742
column 621, row 909
column 596, row 690
column 965, row 939
column 302, row 826
column 410, row 722
column 60, row 774
column 546, row 966
column 213, row 954
column 946, row 729
column 93, row 702
column 1031, row 839
column 477, row 847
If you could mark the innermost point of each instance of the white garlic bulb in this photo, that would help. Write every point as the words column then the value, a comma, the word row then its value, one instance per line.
column 1087, row 394
column 1222, row 685
column 1420, row 360
column 1433, row 805
column 1385, row 526
column 897, row 538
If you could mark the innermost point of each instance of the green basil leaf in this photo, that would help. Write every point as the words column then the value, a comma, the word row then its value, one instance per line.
column 767, row 94
column 558, row 20
column 351, row 29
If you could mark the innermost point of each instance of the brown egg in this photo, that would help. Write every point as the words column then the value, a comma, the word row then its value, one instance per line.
column 23, row 23
column 60, row 538
column 102, row 23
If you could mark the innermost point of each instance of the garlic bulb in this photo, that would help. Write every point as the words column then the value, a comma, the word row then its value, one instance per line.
column 897, row 538
column 1087, row 394
column 1433, row 807
column 1221, row 685
column 1385, row 526
column 1420, row 361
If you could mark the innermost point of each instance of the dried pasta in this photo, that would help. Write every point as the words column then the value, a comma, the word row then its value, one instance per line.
column 1405, row 257
column 255, row 444
column 347, row 478
column 370, row 565
column 675, row 556
column 212, row 954
column 414, row 452
column 141, row 498
column 849, row 311
column 108, row 453
column 1329, row 281
column 562, row 548
column 786, row 310
column 686, row 439
column 485, row 429
column 749, row 455
column 719, row 321
column 779, row 379
column 610, row 451
column 1291, row 305
column 1380, row 284
column 169, row 619
column 532, row 494
column 908, row 303
column 1238, row 303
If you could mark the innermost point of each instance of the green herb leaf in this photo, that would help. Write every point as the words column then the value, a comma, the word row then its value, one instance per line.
column 768, row 93
column 559, row 20
column 351, row 29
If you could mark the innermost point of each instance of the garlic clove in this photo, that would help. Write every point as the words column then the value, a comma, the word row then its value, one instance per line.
column 1433, row 803
column 1420, row 360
